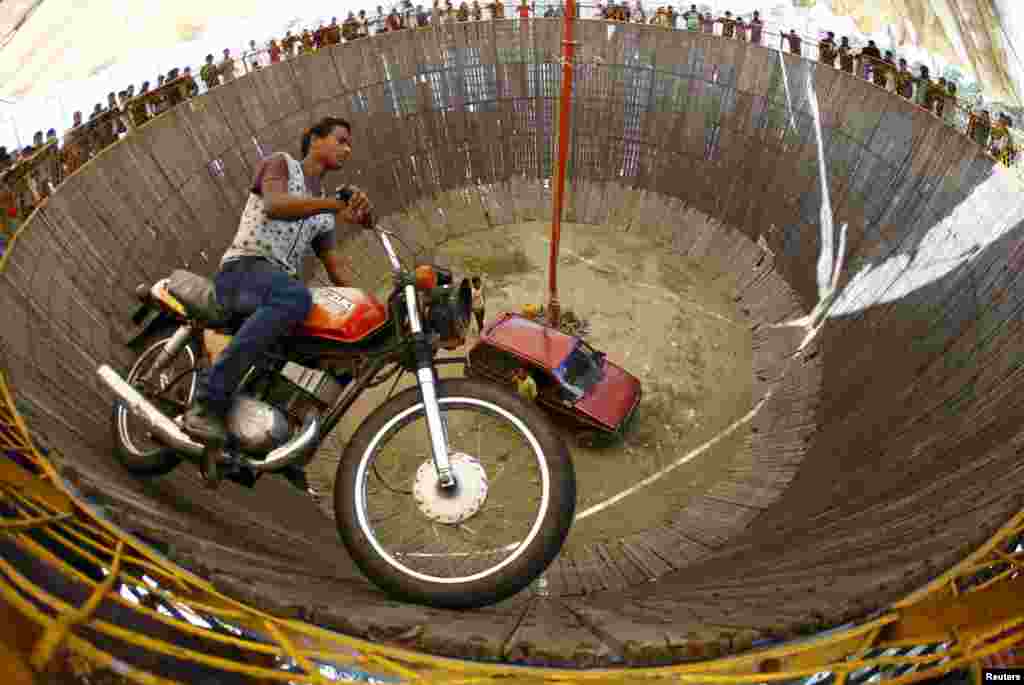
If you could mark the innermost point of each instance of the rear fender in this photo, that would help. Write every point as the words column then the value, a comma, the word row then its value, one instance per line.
column 151, row 320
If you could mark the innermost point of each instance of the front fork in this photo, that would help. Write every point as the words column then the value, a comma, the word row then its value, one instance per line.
column 425, row 376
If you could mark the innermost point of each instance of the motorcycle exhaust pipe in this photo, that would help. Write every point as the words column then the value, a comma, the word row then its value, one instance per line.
column 168, row 432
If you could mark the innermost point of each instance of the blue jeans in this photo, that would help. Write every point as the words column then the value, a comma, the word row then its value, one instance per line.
column 274, row 303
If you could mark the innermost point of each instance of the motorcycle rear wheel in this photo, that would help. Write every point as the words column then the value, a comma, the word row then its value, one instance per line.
column 139, row 454
column 538, row 543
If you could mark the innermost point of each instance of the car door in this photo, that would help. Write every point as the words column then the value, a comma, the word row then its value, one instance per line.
column 493, row 363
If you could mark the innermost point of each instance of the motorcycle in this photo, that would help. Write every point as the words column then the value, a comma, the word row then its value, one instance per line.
column 417, row 497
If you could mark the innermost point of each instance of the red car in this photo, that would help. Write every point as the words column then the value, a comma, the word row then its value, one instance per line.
column 573, row 379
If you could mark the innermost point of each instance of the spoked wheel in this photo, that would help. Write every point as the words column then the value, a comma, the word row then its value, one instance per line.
column 171, row 391
column 501, row 527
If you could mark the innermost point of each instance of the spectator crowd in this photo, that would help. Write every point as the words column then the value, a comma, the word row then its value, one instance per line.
column 30, row 174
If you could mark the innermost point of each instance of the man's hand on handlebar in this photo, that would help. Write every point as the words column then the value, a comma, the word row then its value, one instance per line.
column 356, row 206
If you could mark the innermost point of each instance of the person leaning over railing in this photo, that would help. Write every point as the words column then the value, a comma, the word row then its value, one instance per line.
column 937, row 97
column 756, row 28
column 880, row 70
column 949, row 108
column 210, row 74
column 979, row 126
column 332, row 33
column 305, row 42
column 904, row 80
column 794, row 40
column 741, row 29
column 1001, row 143
column 226, row 68
column 175, row 96
column 692, row 18
column 827, row 50
column 922, row 84
column 350, row 27
column 251, row 57
column 74, row 152
column 846, row 56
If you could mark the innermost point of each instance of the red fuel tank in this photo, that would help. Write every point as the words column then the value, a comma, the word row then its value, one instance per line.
column 347, row 315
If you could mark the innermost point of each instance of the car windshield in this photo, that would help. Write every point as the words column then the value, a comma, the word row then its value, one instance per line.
column 581, row 370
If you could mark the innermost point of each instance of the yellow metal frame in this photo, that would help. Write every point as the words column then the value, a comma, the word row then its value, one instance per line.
column 974, row 621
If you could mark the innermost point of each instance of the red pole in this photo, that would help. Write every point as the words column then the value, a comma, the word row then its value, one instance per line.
column 554, row 309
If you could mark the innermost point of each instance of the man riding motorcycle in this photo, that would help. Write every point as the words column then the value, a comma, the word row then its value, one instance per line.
column 260, row 274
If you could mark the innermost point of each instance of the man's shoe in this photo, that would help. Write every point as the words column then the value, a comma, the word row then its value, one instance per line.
column 296, row 475
column 205, row 425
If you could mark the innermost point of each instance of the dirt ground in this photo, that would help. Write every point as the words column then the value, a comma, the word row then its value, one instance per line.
column 664, row 319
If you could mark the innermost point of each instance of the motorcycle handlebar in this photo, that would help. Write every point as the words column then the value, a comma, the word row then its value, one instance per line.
column 344, row 194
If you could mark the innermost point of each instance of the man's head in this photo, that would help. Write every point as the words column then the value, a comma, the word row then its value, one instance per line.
column 227, row 53
column 77, row 118
column 476, row 281
column 831, row 35
column 329, row 141
column 871, row 43
column 160, row 80
column 209, row 59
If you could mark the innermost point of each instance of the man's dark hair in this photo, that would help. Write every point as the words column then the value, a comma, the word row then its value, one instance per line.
column 322, row 129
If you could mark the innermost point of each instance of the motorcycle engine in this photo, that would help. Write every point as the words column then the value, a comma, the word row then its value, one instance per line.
column 277, row 404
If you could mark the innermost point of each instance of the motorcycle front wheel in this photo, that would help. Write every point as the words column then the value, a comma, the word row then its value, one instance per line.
column 499, row 529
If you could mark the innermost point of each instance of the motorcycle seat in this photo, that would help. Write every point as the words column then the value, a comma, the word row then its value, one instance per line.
column 198, row 295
